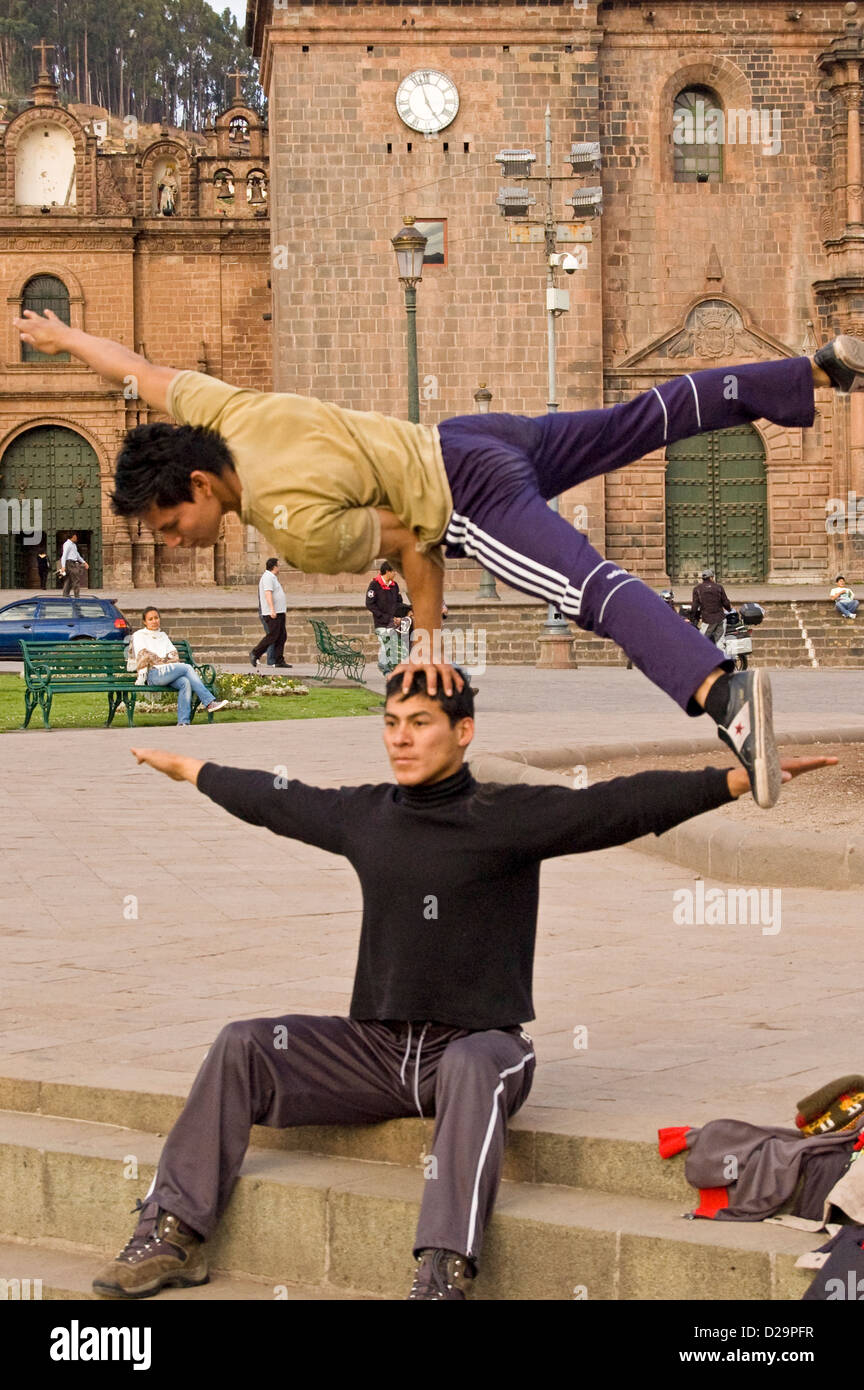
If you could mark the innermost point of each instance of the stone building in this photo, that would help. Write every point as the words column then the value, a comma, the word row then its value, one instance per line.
column 732, row 230
column 159, row 239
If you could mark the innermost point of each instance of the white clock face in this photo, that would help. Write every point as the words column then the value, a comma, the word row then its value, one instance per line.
column 427, row 101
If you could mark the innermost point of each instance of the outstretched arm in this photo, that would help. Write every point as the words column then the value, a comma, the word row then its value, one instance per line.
column 424, row 581
column 112, row 360
column 613, row 813
column 174, row 765
column 314, row 815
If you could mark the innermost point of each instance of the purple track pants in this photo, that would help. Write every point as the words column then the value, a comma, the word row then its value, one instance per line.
column 503, row 469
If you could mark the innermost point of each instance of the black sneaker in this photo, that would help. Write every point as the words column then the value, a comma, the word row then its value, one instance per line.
column 843, row 360
column 746, row 728
column 253, row 658
column 440, row 1274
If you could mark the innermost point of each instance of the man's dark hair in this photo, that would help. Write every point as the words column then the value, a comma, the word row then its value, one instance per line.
column 272, row 562
column 459, row 705
column 385, row 568
column 839, row 577
column 151, row 609
column 155, row 462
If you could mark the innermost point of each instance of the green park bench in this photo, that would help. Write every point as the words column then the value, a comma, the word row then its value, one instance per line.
column 335, row 654
column 73, row 667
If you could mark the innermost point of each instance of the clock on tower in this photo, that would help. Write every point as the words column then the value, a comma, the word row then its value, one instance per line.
column 427, row 100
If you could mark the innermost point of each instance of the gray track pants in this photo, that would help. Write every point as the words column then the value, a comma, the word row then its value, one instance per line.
column 305, row 1070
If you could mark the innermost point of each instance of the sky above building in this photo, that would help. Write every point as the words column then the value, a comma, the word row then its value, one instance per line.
column 237, row 8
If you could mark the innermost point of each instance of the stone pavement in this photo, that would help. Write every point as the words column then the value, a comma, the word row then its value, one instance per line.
column 683, row 1022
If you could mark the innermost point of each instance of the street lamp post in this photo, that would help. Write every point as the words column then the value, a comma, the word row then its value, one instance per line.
column 409, row 245
column 487, row 593
column 516, row 203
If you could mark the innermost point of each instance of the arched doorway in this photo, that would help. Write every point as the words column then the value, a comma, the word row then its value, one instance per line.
column 58, row 470
column 717, row 506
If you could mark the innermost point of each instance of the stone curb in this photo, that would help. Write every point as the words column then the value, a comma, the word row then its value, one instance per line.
column 710, row 844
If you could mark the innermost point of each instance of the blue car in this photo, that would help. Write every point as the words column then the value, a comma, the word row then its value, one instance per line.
column 55, row 619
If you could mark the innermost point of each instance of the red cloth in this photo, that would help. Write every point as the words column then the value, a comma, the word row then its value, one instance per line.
column 673, row 1140
column 711, row 1200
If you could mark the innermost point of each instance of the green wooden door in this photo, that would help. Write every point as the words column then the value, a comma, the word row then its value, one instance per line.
column 60, row 469
column 717, row 506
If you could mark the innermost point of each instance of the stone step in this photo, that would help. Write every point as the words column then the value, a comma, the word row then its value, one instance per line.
column 33, row 1271
column 559, row 1148
column 309, row 1220
column 226, row 635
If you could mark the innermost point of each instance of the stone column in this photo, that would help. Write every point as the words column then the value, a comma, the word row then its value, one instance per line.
column 851, row 96
column 143, row 563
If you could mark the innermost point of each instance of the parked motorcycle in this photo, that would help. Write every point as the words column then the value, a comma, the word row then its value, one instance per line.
column 736, row 642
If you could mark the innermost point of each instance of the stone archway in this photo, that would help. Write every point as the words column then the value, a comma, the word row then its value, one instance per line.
column 717, row 506
column 58, row 469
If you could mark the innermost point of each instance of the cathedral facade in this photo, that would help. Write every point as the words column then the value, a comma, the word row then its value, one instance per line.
column 732, row 230
column 158, row 239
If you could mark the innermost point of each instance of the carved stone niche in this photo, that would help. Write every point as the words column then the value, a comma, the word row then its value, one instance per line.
column 166, row 181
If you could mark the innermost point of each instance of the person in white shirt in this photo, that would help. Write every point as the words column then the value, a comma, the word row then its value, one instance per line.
column 272, row 606
column 844, row 600
column 153, row 655
column 73, row 565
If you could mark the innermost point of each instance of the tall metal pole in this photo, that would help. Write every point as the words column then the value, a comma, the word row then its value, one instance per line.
column 413, row 379
column 554, row 624
column 487, row 593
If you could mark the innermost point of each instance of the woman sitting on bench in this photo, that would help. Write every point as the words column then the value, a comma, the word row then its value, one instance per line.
column 157, row 661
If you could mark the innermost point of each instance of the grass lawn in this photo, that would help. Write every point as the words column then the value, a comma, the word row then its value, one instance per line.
column 91, row 711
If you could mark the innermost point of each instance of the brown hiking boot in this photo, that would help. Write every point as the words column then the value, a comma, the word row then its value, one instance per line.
column 163, row 1251
column 440, row 1274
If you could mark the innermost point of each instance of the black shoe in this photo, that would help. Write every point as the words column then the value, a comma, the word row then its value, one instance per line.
column 283, row 665
column 747, row 729
column 253, row 658
column 843, row 360
column 440, row 1274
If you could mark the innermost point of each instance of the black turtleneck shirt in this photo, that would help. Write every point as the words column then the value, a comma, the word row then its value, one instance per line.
column 448, row 934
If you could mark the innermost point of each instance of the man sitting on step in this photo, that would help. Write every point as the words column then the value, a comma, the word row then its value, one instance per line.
column 442, row 985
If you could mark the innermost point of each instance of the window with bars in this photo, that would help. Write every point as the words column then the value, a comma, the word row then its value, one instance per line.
column 697, row 136
column 41, row 293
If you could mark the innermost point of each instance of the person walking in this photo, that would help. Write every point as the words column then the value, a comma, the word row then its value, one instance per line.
column 844, row 599
column 153, row 655
column 72, row 565
column 43, row 565
column 710, row 606
column 331, row 488
column 382, row 599
column 436, row 1025
column 272, row 607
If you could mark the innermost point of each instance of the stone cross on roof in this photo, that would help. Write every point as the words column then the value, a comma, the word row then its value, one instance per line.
column 238, row 95
column 42, row 46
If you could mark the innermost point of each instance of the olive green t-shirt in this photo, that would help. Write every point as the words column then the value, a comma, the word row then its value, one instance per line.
column 312, row 474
